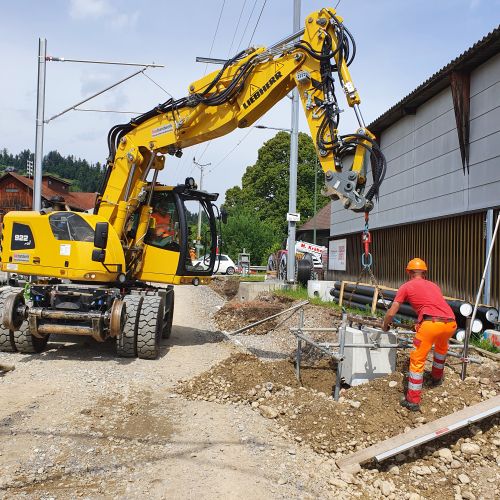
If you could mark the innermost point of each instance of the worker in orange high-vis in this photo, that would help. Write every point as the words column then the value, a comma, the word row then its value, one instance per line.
column 435, row 325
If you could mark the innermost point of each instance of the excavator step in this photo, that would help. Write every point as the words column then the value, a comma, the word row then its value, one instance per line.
column 416, row 437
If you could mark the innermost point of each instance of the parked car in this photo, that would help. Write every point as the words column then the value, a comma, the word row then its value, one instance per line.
column 223, row 264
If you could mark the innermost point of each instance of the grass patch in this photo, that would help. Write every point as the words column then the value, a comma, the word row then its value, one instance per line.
column 484, row 344
column 300, row 293
column 253, row 277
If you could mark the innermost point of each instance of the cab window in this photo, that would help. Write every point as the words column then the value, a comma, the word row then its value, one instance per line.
column 69, row 226
column 164, row 231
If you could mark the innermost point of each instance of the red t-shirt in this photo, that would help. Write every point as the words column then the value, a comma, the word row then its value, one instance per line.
column 425, row 297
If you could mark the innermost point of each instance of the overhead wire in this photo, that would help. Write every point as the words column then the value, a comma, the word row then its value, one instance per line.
column 236, row 29
column 257, row 23
column 246, row 26
column 215, row 34
column 231, row 151
column 158, row 85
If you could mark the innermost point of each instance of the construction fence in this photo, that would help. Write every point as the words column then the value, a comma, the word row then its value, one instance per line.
column 453, row 247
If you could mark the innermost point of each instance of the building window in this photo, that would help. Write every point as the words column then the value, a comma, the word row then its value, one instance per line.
column 11, row 190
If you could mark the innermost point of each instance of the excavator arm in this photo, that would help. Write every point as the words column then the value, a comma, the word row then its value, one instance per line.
column 236, row 96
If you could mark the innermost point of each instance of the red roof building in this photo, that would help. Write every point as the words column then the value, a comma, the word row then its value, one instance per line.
column 16, row 193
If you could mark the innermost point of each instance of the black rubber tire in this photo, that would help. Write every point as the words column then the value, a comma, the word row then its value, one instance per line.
column 304, row 271
column 6, row 336
column 126, row 343
column 169, row 315
column 282, row 267
column 230, row 270
column 27, row 343
column 150, row 327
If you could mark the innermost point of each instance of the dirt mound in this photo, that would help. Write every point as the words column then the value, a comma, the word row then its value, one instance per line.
column 363, row 416
column 234, row 314
column 226, row 286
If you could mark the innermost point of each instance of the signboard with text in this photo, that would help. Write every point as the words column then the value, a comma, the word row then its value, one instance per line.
column 337, row 251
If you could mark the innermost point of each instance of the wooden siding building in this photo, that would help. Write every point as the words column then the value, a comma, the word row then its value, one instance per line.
column 442, row 189
column 16, row 193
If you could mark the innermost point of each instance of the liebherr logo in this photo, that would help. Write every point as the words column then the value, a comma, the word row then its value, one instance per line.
column 262, row 90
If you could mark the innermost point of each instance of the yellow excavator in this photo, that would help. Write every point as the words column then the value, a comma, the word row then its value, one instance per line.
column 92, row 274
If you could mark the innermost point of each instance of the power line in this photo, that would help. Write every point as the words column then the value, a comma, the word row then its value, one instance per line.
column 215, row 34
column 236, row 29
column 109, row 111
column 158, row 85
column 246, row 27
column 231, row 151
column 257, row 23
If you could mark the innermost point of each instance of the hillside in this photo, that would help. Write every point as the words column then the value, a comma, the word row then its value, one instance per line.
column 82, row 175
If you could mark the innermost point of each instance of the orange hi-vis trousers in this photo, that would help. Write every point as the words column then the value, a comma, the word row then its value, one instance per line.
column 429, row 333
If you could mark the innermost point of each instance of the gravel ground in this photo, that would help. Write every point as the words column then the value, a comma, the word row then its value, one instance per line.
column 202, row 421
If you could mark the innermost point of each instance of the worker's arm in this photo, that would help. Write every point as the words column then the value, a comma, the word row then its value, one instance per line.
column 389, row 315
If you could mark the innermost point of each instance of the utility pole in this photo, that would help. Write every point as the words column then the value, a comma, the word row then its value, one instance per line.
column 198, row 235
column 294, row 153
column 40, row 117
column 315, row 198
column 40, row 106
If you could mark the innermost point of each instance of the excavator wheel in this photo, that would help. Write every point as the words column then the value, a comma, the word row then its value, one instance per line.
column 6, row 336
column 126, row 343
column 150, row 327
column 27, row 343
column 169, row 315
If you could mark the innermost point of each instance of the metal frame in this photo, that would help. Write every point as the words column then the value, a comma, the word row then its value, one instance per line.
column 341, row 345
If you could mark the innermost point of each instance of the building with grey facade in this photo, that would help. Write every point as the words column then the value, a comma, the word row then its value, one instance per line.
column 442, row 189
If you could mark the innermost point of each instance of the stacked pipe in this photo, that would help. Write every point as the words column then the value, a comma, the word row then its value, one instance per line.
column 361, row 296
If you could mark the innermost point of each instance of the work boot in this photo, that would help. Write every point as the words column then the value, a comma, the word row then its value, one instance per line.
column 409, row 406
column 432, row 382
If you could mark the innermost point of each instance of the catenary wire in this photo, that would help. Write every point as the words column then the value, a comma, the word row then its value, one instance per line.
column 231, row 151
column 246, row 26
column 257, row 23
column 236, row 29
column 215, row 34
column 158, row 85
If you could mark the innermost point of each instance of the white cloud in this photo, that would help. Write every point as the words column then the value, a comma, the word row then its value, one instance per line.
column 125, row 20
column 82, row 9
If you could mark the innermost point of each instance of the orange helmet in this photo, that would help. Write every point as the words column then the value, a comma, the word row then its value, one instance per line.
column 416, row 265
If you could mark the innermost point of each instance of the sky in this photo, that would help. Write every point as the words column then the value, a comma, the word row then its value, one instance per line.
column 400, row 43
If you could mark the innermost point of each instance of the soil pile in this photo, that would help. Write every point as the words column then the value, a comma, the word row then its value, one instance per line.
column 226, row 287
column 365, row 415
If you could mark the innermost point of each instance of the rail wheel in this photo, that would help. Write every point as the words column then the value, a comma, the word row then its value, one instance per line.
column 169, row 315
column 150, row 327
column 126, row 343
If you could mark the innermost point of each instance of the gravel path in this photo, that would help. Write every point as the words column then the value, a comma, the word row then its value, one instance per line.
column 76, row 421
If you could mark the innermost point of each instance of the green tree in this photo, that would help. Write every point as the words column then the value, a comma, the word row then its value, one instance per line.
column 244, row 230
column 264, row 190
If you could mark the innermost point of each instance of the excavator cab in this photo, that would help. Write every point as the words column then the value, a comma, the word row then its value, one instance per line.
column 177, row 213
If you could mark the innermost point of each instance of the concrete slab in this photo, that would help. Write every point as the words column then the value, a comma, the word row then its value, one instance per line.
column 249, row 290
column 362, row 364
